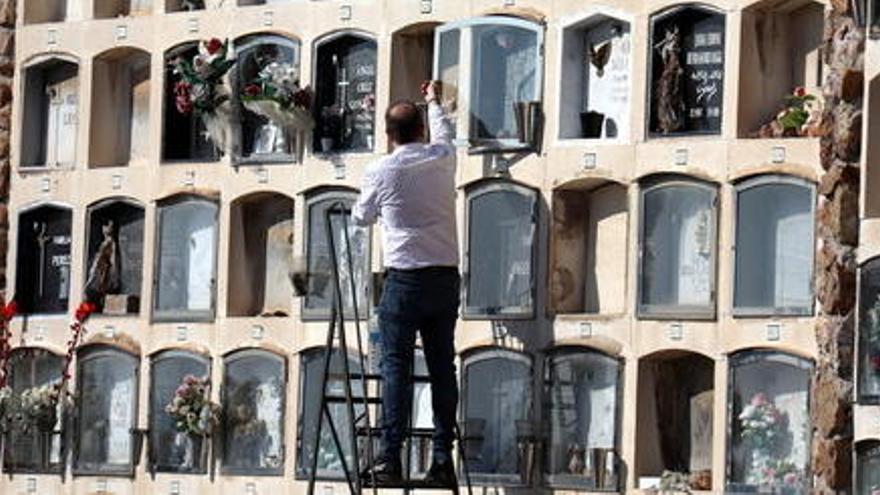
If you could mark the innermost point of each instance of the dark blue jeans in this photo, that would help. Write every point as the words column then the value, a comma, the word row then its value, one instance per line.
column 424, row 301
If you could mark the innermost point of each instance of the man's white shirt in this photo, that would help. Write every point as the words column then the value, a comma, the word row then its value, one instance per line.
column 412, row 190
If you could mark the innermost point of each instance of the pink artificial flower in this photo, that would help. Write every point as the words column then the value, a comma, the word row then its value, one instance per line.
column 759, row 399
column 790, row 479
column 800, row 92
column 252, row 90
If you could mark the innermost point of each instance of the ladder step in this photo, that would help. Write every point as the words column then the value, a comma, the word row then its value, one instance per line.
column 340, row 399
column 371, row 377
column 411, row 432
column 414, row 484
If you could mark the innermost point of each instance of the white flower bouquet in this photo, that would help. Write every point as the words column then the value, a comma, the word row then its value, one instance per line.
column 192, row 409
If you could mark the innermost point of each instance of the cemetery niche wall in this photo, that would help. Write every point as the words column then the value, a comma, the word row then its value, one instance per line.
column 590, row 220
column 261, row 255
column 42, row 275
column 595, row 82
column 686, row 86
column 674, row 425
column 184, row 137
column 115, row 256
column 50, row 121
column 120, row 116
column 345, row 92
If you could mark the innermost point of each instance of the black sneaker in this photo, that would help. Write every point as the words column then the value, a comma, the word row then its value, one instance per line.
column 441, row 474
column 383, row 473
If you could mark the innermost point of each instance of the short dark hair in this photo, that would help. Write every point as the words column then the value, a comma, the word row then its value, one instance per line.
column 403, row 122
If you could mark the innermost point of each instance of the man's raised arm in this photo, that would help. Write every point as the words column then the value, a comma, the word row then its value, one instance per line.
column 442, row 131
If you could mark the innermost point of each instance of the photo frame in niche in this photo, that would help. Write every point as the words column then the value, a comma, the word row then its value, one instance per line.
column 687, row 56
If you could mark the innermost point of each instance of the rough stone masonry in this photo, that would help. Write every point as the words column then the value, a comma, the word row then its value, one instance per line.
column 838, row 235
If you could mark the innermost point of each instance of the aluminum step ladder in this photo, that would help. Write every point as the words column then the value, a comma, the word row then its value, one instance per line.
column 368, row 384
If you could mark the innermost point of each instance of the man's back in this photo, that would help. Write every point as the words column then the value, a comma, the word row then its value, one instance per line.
column 413, row 191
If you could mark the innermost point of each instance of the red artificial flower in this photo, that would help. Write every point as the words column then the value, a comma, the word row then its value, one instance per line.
column 252, row 90
column 303, row 98
column 213, row 46
column 800, row 92
column 9, row 310
column 183, row 97
column 84, row 310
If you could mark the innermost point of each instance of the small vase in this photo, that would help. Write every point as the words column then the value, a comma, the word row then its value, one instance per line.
column 591, row 124
column 326, row 145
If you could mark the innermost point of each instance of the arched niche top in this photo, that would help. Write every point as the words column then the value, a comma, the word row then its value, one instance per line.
column 262, row 195
column 41, row 59
column 658, row 179
column 757, row 180
column 45, row 205
column 791, row 357
column 342, row 33
column 487, row 182
column 480, row 352
column 416, row 28
column 126, row 200
column 802, row 172
column 278, row 37
column 323, row 189
column 586, row 184
column 593, row 14
column 563, row 346
column 207, row 195
column 39, row 347
column 178, row 49
column 184, row 349
column 351, row 351
column 256, row 350
column 122, row 52
column 675, row 353
column 529, row 14
column 669, row 10
column 118, row 342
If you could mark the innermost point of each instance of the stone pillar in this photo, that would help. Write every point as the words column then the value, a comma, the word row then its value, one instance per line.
column 838, row 236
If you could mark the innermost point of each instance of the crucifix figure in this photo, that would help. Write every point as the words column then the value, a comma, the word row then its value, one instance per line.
column 42, row 239
column 342, row 84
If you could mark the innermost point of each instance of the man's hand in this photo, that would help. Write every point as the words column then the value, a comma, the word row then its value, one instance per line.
column 432, row 90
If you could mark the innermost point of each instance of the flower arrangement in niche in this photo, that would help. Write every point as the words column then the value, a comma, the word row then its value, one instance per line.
column 763, row 428
column 200, row 89
column 872, row 335
column 192, row 409
column 275, row 94
column 801, row 116
column 39, row 407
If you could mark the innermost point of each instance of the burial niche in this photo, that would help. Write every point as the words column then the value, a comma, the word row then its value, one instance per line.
column 51, row 11
column 770, row 428
column 595, row 84
column 869, row 332
column 674, row 418
column 780, row 51
column 186, row 257
column 274, row 60
column 587, row 238
column 498, row 427
column 687, row 71
column 261, row 255
column 502, row 223
column 254, row 382
column 51, row 114
column 311, row 372
column 172, row 451
column 184, row 137
column 345, row 93
column 867, row 467
column 107, row 391
column 120, row 126
column 581, row 403
column 109, row 9
column 115, row 256
column 42, row 282
column 27, row 450
column 184, row 5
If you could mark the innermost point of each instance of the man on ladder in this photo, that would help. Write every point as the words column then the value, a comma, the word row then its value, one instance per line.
column 413, row 191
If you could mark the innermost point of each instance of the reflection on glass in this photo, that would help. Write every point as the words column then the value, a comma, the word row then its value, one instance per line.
column 171, row 450
column 30, row 451
column 678, row 248
column 187, row 251
column 869, row 332
column 500, row 243
column 253, row 413
column 770, row 423
column 505, row 73
column 581, row 390
column 320, row 296
column 497, row 388
column 107, row 393
column 448, row 70
column 774, row 249
column 329, row 460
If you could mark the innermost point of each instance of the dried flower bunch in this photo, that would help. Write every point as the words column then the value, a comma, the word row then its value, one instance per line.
column 192, row 409
column 801, row 116
column 200, row 87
